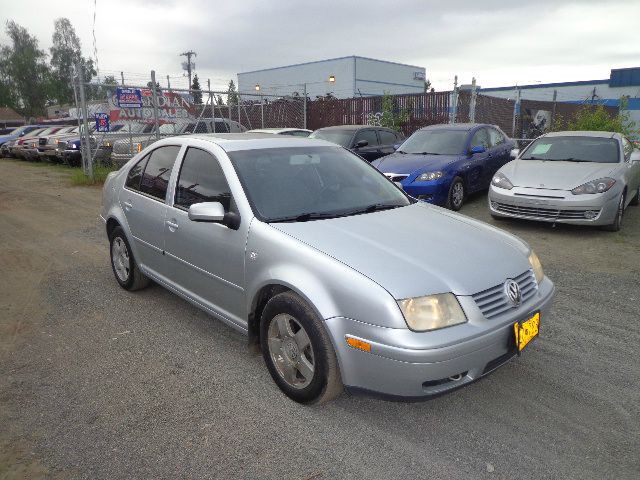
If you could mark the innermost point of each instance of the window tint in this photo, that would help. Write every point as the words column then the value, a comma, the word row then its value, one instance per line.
column 135, row 174
column 201, row 180
column 368, row 135
column 495, row 137
column 386, row 137
column 481, row 137
column 158, row 170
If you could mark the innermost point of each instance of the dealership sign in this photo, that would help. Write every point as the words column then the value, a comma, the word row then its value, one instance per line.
column 171, row 107
column 129, row 97
column 102, row 122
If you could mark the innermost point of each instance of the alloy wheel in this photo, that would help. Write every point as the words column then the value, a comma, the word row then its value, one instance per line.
column 291, row 351
column 120, row 259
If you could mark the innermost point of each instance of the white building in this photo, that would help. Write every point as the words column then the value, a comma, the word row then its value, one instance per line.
column 351, row 77
column 622, row 82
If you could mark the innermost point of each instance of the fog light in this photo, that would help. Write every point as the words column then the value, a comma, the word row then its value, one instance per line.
column 359, row 344
column 424, row 198
column 590, row 214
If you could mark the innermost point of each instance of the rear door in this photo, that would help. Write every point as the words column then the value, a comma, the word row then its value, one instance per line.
column 499, row 153
column 371, row 151
column 143, row 202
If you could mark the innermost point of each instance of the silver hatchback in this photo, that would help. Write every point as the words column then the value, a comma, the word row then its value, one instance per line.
column 336, row 274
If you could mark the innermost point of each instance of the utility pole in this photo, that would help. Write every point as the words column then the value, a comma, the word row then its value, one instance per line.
column 472, row 103
column 189, row 54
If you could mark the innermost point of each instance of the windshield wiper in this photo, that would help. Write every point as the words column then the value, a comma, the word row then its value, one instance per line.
column 376, row 207
column 401, row 151
column 430, row 153
column 533, row 158
column 571, row 159
column 303, row 217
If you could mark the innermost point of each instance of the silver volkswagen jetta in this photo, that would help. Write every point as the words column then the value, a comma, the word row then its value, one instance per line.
column 583, row 178
column 338, row 276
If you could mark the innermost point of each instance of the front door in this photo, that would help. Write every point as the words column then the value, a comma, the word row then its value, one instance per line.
column 371, row 150
column 476, row 164
column 143, row 203
column 205, row 260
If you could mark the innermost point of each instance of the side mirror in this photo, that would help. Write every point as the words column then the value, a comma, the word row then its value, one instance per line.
column 396, row 146
column 635, row 156
column 514, row 153
column 361, row 143
column 478, row 149
column 206, row 212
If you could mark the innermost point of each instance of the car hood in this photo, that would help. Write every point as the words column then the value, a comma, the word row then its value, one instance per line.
column 407, row 163
column 555, row 175
column 417, row 250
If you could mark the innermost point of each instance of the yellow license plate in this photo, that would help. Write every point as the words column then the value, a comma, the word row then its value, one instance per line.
column 526, row 331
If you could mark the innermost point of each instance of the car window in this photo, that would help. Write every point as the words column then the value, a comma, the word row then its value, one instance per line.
column 201, row 179
column 495, row 137
column 573, row 149
column 387, row 137
column 368, row 135
column 155, row 178
column 220, row 126
column 135, row 174
column 627, row 146
column 481, row 137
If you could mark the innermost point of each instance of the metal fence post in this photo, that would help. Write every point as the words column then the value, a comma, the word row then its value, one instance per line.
column 86, row 151
column 516, row 113
column 305, row 106
column 154, row 99
column 553, row 108
column 453, row 106
column 472, row 102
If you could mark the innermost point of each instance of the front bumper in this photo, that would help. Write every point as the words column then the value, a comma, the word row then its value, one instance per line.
column 434, row 192
column 556, row 206
column 406, row 364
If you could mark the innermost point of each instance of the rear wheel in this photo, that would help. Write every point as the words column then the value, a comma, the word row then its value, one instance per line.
column 298, row 351
column 456, row 195
column 617, row 223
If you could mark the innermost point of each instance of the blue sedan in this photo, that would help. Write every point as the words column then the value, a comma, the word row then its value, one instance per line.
column 442, row 164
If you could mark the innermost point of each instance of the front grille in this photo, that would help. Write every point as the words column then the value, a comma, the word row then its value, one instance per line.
column 539, row 212
column 396, row 177
column 493, row 301
column 42, row 141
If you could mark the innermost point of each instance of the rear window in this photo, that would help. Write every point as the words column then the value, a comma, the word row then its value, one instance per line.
column 339, row 137
column 574, row 149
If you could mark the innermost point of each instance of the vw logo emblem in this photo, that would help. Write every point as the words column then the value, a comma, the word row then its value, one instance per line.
column 512, row 290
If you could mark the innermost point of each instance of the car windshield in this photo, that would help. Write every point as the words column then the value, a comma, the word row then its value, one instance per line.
column 573, row 149
column 438, row 142
column 306, row 183
column 34, row 133
column 339, row 137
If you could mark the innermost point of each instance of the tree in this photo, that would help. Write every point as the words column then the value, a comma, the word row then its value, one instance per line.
column 232, row 95
column 427, row 85
column 391, row 116
column 597, row 118
column 219, row 100
column 25, row 76
column 66, row 53
column 195, row 91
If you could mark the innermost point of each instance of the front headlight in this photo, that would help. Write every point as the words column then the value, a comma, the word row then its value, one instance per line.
column 500, row 180
column 536, row 266
column 432, row 312
column 595, row 186
column 427, row 177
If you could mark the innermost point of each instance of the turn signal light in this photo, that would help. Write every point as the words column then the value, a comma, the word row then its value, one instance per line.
column 359, row 344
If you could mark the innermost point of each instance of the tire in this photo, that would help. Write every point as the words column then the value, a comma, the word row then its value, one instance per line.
column 617, row 222
column 636, row 200
column 298, row 351
column 456, row 195
column 124, row 266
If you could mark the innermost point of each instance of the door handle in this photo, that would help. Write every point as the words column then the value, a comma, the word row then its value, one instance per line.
column 172, row 225
column 128, row 205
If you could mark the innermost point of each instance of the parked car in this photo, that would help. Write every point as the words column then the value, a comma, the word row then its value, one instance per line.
column 583, row 178
column 367, row 141
column 16, row 133
column 324, row 263
column 46, row 146
column 124, row 148
column 442, row 164
column 27, row 147
column 294, row 132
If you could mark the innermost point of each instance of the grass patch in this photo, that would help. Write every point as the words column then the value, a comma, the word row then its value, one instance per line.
column 100, row 173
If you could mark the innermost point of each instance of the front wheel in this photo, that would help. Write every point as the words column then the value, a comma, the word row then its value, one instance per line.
column 617, row 222
column 456, row 194
column 298, row 351
column 124, row 266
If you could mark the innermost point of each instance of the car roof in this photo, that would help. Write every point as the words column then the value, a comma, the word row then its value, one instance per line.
column 456, row 126
column 351, row 127
column 251, row 141
column 582, row 133
column 277, row 130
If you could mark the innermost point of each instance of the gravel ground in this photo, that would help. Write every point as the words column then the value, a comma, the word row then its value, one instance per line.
column 99, row 383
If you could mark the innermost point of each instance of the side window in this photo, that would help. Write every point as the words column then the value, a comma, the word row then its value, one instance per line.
column 135, row 174
column 201, row 180
column 220, row 127
column 495, row 137
column 627, row 146
column 155, row 178
column 201, row 127
column 387, row 137
column 481, row 137
column 368, row 135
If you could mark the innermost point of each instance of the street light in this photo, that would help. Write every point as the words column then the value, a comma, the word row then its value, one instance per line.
column 261, row 104
column 332, row 79
column 257, row 87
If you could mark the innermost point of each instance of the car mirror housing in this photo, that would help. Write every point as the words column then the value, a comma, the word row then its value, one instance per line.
column 361, row 143
column 635, row 156
column 207, row 212
column 478, row 149
column 514, row 153
column 396, row 146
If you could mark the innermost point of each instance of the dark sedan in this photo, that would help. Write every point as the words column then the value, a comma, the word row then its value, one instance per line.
column 442, row 164
column 365, row 140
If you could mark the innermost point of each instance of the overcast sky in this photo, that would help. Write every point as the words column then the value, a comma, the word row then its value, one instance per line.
column 500, row 43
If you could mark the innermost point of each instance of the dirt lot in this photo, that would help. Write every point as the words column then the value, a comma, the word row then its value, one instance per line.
column 99, row 383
